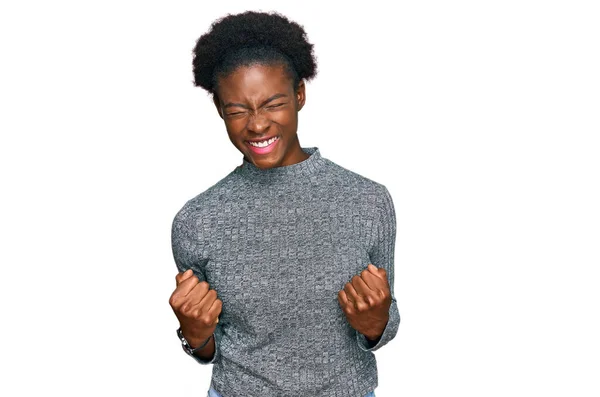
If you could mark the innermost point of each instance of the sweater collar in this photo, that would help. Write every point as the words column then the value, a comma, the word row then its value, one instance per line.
column 304, row 168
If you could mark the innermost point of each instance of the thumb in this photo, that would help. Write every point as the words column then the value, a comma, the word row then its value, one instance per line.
column 183, row 276
column 375, row 270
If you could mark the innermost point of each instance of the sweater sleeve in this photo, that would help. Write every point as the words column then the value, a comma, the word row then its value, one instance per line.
column 382, row 255
column 190, row 253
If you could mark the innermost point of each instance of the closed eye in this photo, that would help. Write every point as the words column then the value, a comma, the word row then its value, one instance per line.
column 268, row 107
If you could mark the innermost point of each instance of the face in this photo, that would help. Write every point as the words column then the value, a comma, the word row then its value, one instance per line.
column 258, row 103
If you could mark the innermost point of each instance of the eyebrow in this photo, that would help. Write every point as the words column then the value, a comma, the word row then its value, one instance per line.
column 241, row 105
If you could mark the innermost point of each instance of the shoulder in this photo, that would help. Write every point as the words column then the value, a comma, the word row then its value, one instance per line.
column 205, row 203
column 342, row 177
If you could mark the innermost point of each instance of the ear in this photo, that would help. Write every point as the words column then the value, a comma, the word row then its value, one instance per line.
column 301, row 94
column 217, row 103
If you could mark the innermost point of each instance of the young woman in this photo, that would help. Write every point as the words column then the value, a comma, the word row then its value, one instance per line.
column 299, row 250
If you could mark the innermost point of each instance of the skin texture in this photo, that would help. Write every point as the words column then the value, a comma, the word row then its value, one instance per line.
column 257, row 102
column 197, row 308
column 242, row 101
column 366, row 301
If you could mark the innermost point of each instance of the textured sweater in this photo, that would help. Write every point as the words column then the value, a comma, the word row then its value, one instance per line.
column 278, row 245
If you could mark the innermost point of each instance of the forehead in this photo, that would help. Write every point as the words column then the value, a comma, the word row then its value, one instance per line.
column 254, row 81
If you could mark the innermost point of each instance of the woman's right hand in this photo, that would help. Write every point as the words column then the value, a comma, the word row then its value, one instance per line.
column 196, row 306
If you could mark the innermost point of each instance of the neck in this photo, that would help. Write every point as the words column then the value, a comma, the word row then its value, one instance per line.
column 310, row 162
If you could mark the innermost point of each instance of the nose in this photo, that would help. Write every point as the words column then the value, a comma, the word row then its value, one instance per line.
column 258, row 123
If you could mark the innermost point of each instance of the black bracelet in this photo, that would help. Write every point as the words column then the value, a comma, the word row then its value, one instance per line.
column 186, row 346
column 194, row 350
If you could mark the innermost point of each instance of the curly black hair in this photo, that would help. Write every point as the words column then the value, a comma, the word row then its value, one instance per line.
column 252, row 38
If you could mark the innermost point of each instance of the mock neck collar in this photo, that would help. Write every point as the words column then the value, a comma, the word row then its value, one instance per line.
column 305, row 167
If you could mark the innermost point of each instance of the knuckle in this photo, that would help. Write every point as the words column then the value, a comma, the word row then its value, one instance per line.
column 202, row 319
column 197, row 314
column 174, row 300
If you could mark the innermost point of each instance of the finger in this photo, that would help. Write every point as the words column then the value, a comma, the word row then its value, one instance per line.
column 346, row 304
column 379, row 272
column 182, row 290
column 355, row 298
column 363, row 290
column 180, row 275
column 360, row 285
column 183, row 276
column 372, row 281
column 195, row 296
column 343, row 297
column 207, row 301
column 215, row 310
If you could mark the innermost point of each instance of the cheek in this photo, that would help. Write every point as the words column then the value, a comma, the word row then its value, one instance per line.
column 285, row 119
column 235, row 127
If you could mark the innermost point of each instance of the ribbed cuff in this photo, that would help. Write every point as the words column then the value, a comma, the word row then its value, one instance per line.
column 217, row 337
column 390, row 331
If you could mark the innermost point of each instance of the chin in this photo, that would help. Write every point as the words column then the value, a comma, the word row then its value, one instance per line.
column 268, row 164
column 271, row 160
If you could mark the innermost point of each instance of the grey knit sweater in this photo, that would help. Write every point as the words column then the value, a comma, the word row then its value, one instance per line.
column 277, row 245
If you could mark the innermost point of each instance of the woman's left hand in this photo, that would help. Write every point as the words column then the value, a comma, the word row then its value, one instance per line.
column 366, row 301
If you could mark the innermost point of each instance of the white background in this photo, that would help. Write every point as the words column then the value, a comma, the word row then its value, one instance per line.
column 481, row 118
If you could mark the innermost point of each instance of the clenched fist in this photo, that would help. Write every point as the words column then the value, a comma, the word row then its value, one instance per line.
column 196, row 306
column 366, row 301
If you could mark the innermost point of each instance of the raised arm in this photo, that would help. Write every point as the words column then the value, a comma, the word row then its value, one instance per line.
column 382, row 255
column 189, row 252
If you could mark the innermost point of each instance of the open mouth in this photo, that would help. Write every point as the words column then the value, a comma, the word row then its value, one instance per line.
column 264, row 146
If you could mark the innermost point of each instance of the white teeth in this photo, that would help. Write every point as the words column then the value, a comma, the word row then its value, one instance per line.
column 263, row 143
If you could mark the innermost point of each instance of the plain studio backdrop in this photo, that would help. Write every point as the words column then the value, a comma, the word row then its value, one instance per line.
column 481, row 118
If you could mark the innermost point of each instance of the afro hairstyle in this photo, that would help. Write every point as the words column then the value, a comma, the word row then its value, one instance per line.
column 252, row 38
